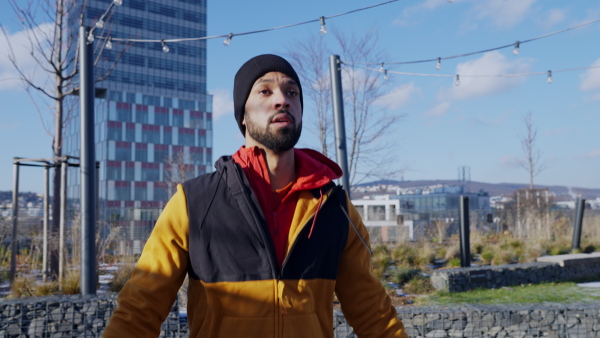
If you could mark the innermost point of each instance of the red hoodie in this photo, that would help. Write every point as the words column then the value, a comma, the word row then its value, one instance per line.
column 313, row 170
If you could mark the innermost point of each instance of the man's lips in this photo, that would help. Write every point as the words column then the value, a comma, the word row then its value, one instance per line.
column 282, row 118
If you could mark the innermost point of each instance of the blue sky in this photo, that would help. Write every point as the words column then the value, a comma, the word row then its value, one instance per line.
column 444, row 126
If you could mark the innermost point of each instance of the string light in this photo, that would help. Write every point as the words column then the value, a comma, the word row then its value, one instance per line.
column 381, row 68
column 438, row 66
column 165, row 48
column 385, row 77
column 485, row 50
column 229, row 36
column 90, row 37
column 228, row 40
column 323, row 29
column 457, row 77
column 118, row 2
column 100, row 23
column 457, row 81
column 108, row 44
column 516, row 50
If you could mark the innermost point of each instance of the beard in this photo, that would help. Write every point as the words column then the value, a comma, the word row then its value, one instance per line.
column 279, row 140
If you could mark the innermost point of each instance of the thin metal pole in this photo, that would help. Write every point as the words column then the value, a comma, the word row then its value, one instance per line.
column 87, row 166
column 63, row 218
column 577, row 224
column 338, row 114
column 465, row 249
column 15, row 222
column 46, row 220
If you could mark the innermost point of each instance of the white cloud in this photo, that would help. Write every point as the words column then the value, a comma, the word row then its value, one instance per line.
column 502, row 13
column 21, row 50
column 553, row 17
column 398, row 96
column 510, row 162
column 590, row 80
column 9, row 126
column 593, row 154
column 439, row 110
column 473, row 84
column 558, row 131
column 222, row 103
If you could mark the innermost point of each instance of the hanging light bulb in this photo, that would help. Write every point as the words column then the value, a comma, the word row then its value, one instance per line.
column 118, row 2
column 381, row 68
column 228, row 40
column 457, row 81
column 90, row 37
column 323, row 29
column 516, row 50
column 385, row 77
column 108, row 44
column 164, row 46
column 549, row 80
column 438, row 65
column 100, row 23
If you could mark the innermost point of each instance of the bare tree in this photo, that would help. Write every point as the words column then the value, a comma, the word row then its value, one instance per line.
column 177, row 170
column 310, row 59
column 369, row 155
column 531, row 154
column 55, row 52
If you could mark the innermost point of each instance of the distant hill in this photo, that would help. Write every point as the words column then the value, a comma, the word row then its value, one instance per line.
column 388, row 186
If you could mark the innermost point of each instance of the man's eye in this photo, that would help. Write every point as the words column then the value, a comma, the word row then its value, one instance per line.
column 264, row 91
column 293, row 93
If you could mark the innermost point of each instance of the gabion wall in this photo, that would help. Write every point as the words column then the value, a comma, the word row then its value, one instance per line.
column 77, row 316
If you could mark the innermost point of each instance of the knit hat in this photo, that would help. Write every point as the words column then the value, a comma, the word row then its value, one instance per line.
column 249, row 73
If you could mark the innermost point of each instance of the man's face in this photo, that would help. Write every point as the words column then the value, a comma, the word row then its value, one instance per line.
column 273, row 113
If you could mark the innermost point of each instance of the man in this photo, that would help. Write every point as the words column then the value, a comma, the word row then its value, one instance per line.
column 267, row 239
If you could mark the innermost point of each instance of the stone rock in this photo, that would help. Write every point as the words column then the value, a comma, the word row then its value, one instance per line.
column 436, row 334
column 37, row 327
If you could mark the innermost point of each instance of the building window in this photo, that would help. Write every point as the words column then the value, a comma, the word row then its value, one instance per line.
column 129, row 171
column 196, row 120
column 113, row 170
column 115, row 131
column 141, row 152
column 168, row 135
column 161, row 152
column 150, row 134
column 130, row 132
column 177, row 118
column 141, row 191
column 141, row 114
column 122, row 191
column 161, row 116
column 187, row 137
column 123, row 151
column 150, row 172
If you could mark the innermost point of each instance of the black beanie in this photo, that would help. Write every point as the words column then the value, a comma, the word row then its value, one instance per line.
column 251, row 71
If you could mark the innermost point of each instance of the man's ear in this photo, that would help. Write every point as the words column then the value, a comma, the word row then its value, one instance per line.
column 244, row 120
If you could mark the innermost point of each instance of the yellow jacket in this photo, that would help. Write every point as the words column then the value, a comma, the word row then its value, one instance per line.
column 213, row 230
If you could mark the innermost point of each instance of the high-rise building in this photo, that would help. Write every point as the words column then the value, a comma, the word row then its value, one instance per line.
column 152, row 111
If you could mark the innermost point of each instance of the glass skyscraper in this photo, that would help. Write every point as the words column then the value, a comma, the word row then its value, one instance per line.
column 152, row 111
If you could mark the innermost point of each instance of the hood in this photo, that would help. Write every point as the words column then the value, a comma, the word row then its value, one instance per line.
column 313, row 169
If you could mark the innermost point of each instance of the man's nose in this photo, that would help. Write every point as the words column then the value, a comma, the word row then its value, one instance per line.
column 281, row 100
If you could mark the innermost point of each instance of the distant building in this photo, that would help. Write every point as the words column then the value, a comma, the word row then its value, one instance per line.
column 153, row 106
column 409, row 214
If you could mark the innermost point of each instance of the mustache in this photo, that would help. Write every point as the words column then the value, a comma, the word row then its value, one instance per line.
column 283, row 111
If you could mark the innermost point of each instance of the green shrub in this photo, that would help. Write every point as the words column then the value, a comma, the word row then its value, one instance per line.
column 22, row 287
column 381, row 260
column 487, row 255
column 502, row 258
column 70, row 283
column 453, row 262
column 401, row 275
column 46, row 289
column 418, row 285
column 405, row 256
column 121, row 277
